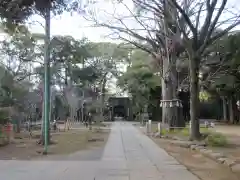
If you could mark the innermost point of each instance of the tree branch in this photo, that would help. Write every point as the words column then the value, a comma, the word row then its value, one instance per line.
column 217, row 36
column 185, row 17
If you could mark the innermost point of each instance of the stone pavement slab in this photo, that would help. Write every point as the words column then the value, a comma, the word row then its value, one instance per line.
column 128, row 155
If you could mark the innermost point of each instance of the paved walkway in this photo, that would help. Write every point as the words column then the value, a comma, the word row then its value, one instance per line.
column 128, row 155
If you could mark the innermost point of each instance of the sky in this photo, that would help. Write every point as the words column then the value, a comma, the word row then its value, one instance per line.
column 77, row 26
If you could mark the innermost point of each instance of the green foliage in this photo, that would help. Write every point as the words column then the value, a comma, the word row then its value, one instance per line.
column 66, row 54
column 226, row 75
column 4, row 116
column 204, row 96
column 67, row 49
column 139, row 79
column 182, row 132
column 185, row 132
column 6, row 80
column 106, row 50
column 16, row 12
column 18, row 51
column 89, row 74
column 82, row 61
column 217, row 140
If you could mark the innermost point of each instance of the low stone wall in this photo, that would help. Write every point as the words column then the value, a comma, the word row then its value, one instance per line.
column 201, row 147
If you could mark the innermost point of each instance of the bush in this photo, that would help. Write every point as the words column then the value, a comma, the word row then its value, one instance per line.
column 185, row 132
column 216, row 139
column 163, row 131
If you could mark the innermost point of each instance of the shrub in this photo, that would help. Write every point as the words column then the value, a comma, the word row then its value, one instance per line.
column 163, row 131
column 216, row 139
column 185, row 132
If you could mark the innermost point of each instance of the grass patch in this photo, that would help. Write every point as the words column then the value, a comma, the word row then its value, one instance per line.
column 182, row 131
column 216, row 140
column 211, row 138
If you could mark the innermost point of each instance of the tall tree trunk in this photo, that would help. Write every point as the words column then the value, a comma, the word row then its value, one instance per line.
column 169, row 115
column 224, row 104
column 167, row 112
column 169, row 72
column 230, row 108
column 194, row 98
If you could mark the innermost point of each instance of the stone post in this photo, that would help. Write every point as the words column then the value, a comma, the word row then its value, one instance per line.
column 206, row 124
column 147, row 128
column 159, row 128
column 150, row 126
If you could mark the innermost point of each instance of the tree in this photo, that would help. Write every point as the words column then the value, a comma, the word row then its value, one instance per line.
column 105, row 58
column 68, row 52
column 15, row 97
column 67, row 56
column 197, row 37
column 146, row 32
column 139, row 80
column 183, row 30
column 18, row 54
column 16, row 12
column 223, row 76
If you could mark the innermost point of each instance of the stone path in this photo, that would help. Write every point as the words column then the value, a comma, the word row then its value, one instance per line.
column 128, row 155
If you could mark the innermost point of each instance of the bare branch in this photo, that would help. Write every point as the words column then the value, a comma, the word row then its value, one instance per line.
column 208, row 19
column 186, row 17
column 198, row 16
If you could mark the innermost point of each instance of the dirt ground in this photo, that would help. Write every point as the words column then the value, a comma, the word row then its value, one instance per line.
column 25, row 148
column 203, row 167
column 231, row 132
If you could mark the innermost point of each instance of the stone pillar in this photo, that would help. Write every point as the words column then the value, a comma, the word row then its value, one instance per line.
column 159, row 128
column 147, row 128
column 150, row 126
